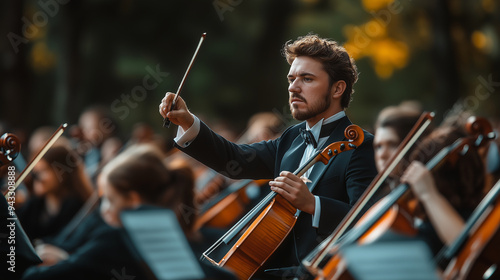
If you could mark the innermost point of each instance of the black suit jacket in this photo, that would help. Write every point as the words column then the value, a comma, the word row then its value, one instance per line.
column 338, row 184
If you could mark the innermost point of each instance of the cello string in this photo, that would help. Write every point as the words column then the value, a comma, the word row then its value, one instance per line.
column 260, row 206
column 233, row 228
column 231, row 233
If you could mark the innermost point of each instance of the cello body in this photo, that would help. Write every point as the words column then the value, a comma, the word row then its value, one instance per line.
column 225, row 212
column 479, row 258
column 261, row 231
column 397, row 219
column 230, row 205
column 261, row 239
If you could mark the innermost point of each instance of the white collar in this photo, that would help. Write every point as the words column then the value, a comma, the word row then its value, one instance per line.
column 316, row 129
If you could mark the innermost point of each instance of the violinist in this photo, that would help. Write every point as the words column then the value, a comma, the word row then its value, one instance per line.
column 60, row 188
column 393, row 124
column 450, row 193
column 321, row 79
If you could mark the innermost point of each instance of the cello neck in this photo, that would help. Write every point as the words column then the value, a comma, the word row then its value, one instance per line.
column 238, row 227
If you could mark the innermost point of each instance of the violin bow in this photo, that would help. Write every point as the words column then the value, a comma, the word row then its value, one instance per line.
column 166, row 121
column 36, row 159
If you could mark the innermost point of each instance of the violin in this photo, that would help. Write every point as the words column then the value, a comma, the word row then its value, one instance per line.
column 474, row 254
column 313, row 261
column 208, row 185
column 228, row 206
column 387, row 215
column 264, row 228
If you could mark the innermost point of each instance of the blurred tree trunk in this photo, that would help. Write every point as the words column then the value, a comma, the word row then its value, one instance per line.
column 268, row 51
column 445, row 65
column 67, row 99
column 15, row 79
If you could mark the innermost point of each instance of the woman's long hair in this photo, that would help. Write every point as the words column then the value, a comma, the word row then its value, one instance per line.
column 69, row 170
column 460, row 181
column 141, row 169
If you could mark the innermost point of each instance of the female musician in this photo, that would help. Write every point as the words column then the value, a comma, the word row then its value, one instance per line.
column 450, row 193
column 134, row 178
column 390, row 132
column 391, row 128
column 60, row 189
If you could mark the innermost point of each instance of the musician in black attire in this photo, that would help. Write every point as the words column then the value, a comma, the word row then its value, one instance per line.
column 60, row 189
column 321, row 78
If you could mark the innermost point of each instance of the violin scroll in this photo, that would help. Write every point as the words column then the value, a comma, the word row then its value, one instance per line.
column 9, row 148
column 480, row 128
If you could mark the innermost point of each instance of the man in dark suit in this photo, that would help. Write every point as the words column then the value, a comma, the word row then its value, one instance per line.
column 320, row 79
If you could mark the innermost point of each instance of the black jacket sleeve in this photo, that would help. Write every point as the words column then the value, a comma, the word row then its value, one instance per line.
column 254, row 161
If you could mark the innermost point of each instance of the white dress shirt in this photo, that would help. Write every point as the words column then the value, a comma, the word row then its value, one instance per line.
column 310, row 151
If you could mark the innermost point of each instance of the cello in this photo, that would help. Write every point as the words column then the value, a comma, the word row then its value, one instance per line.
column 313, row 260
column 385, row 215
column 228, row 206
column 264, row 228
column 10, row 146
column 474, row 254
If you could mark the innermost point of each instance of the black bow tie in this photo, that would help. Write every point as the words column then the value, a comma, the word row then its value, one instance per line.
column 308, row 137
column 326, row 130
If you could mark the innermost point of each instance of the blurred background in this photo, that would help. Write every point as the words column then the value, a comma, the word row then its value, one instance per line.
column 58, row 57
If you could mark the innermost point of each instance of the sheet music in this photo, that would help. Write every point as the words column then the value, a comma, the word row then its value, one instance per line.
column 161, row 243
column 395, row 260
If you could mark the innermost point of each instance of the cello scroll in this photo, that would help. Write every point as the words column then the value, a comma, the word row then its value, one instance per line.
column 9, row 148
column 355, row 137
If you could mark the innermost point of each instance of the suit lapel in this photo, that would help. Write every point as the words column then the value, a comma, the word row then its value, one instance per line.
column 292, row 157
column 320, row 168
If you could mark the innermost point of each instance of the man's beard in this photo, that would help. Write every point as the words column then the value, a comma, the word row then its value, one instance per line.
column 315, row 109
